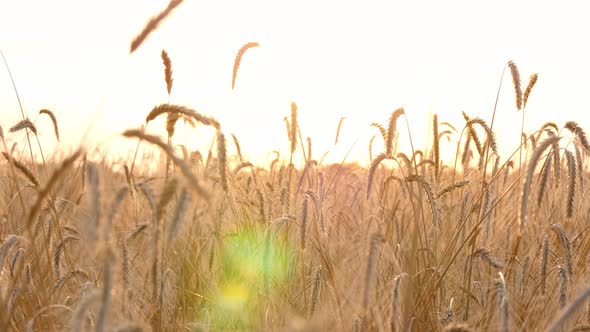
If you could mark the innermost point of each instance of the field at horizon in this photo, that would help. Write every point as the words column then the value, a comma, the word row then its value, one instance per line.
column 393, row 217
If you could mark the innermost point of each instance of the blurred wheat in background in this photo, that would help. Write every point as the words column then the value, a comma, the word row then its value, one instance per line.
column 420, row 240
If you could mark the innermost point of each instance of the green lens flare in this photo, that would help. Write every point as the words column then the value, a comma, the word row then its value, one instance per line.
column 253, row 264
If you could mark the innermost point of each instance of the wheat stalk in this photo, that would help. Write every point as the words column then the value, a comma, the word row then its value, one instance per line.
column 61, row 170
column 392, row 131
column 529, row 88
column 575, row 129
column 58, row 250
column 372, row 170
column 473, row 133
column 238, row 149
column 23, row 124
column 106, row 291
column 23, row 169
column 53, row 120
column 77, row 319
column 9, row 241
column 130, row 182
column 293, row 128
column 458, row 327
column 241, row 167
column 376, row 239
column 563, row 280
column 62, row 280
column 567, row 247
column 504, row 310
column 436, row 146
column 153, row 24
column 222, row 157
column 544, row 179
column 338, row 130
column 395, row 306
column 571, row 189
column 169, row 108
column 315, row 291
column 566, row 313
column 303, row 225
column 130, row 236
column 531, row 169
column 544, row 260
column 93, row 180
column 167, row 71
column 516, row 83
column 487, row 257
column 580, row 167
column 238, row 60
column 451, row 187
column 181, row 206
column 186, row 171
column 429, row 195
column 165, row 197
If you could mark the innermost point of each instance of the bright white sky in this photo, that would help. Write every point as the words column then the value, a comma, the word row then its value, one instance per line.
column 359, row 59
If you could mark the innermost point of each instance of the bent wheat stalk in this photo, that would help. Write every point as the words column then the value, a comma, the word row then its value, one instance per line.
column 153, row 24
column 529, row 177
column 238, row 60
column 184, row 168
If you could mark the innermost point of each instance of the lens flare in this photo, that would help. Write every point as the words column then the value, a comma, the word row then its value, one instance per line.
column 253, row 264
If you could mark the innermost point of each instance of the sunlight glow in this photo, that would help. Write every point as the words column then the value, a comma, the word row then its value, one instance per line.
column 334, row 59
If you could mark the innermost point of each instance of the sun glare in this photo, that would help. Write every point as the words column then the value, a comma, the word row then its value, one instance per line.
column 333, row 59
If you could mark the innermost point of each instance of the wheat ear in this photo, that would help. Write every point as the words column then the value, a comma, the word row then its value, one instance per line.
column 544, row 179
column 186, row 171
column 371, row 266
column 53, row 120
column 315, row 291
column 392, row 131
column 106, row 291
column 238, row 148
column 531, row 169
column 429, row 195
column 529, row 88
column 473, row 133
column 575, row 129
column 487, row 257
column 566, row 313
column 436, row 146
column 395, row 306
column 238, row 60
column 293, row 125
column 544, row 261
column 169, row 108
column 222, row 157
column 167, row 71
column 178, row 214
column 77, row 319
column 153, row 24
column 567, row 247
column 23, row 169
column 451, row 187
column 24, row 124
column 563, row 280
column 516, row 83
column 571, row 189
column 44, row 193
column 372, row 170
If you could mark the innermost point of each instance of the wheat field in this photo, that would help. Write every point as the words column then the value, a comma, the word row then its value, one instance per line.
column 209, row 241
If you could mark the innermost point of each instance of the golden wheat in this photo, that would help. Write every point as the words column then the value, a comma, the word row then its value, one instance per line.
column 153, row 24
column 238, row 60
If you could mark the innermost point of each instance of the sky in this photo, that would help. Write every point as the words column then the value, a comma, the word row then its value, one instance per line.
column 355, row 59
